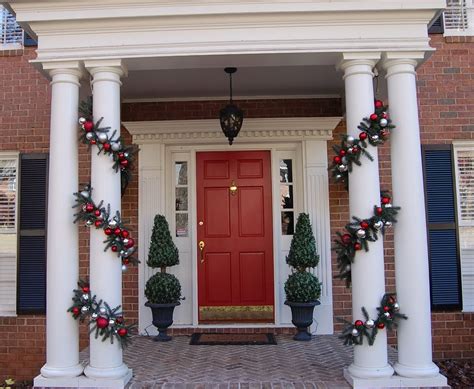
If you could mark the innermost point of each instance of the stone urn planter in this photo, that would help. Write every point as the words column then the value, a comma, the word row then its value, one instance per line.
column 302, row 318
column 162, row 319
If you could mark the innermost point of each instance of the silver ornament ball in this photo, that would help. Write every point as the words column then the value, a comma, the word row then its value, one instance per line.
column 82, row 121
column 125, row 241
column 338, row 176
column 396, row 307
column 348, row 268
column 88, row 223
column 116, row 146
column 130, row 251
column 360, row 233
column 90, row 136
column 355, row 332
column 112, row 224
column 94, row 315
column 369, row 323
column 378, row 225
column 344, row 160
column 350, row 150
column 387, row 314
column 102, row 310
column 383, row 122
column 85, row 194
column 84, row 309
column 122, row 253
column 126, row 155
column 388, row 205
column 124, row 267
column 388, row 224
column 111, row 322
column 342, row 168
column 350, row 139
column 85, row 296
column 102, row 137
column 375, row 138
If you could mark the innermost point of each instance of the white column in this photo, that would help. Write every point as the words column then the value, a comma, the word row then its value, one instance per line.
column 62, row 331
column 411, row 252
column 105, row 267
column 368, row 276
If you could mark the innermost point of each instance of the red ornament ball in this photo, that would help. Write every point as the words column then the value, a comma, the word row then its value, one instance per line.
column 359, row 323
column 114, row 249
column 378, row 103
column 364, row 225
column 117, row 231
column 121, row 155
column 88, row 126
column 93, row 142
column 107, row 146
column 122, row 332
column 337, row 159
column 357, row 246
column 342, row 152
column 363, row 136
column 97, row 212
column 374, row 117
column 98, row 223
column 385, row 200
column 108, row 231
column 102, row 322
column 76, row 311
column 355, row 149
column 125, row 234
column 86, row 289
column 124, row 162
column 89, row 207
column 379, row 210
column 386, row 309
column 346, row 238
column 126, row 261
column 384, row 115
column 130, row 243
column 381, row 326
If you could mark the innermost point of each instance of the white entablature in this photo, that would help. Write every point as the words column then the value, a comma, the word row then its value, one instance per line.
column 152, row 28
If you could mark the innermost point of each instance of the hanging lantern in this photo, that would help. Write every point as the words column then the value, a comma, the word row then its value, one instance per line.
column 231, row 116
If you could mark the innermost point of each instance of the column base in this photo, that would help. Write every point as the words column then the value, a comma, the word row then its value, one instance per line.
column 83, row 382
column 106, row 373
column 365, row 372
column 430, row 370
column 437, row 382
column 62, row 372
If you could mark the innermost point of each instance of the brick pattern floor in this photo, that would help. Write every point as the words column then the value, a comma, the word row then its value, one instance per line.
column 288, row 365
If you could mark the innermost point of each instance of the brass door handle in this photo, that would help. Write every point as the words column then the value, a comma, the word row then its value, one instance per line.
column 201, row 248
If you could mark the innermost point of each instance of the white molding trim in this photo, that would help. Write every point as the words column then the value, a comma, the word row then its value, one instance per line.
column 235, row 97
column 253, row 130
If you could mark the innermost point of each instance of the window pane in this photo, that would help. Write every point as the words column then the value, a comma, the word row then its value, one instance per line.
column 181, row 173
column 7, row 195
column 287, row 223
column 286, row 170
column 286, row 192
column 181, row 225
column 181, row 199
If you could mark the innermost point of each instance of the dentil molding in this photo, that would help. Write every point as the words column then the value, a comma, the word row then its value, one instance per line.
column 253, row 130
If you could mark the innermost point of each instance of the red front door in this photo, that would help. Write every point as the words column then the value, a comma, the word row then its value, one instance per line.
column 235, row 243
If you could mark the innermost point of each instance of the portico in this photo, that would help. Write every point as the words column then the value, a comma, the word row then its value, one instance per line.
column 336, row 46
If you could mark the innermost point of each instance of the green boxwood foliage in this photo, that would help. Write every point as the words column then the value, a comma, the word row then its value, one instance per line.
column 163, row 251
column 303, row 252
column 163, row 288
column 302, row 287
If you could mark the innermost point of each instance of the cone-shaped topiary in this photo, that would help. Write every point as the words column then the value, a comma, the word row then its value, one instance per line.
column 302, row 286
column 163, row 252
column 303, row 252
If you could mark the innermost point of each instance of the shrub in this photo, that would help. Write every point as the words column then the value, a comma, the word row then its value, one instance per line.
column 163, row 288
column 163, row 251
column 302, row 287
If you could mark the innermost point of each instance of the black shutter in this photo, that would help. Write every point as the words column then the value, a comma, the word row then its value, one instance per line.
column 28, row 41
column 445, row 275
column 437, row 27
column 32, row 234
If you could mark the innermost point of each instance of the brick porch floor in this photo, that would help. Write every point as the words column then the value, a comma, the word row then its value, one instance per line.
column 288, row 365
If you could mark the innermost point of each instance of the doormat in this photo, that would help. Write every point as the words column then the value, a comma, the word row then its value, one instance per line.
column 232, row 339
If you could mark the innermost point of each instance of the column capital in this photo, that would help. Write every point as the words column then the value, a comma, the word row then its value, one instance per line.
column 64, row 71
column 115, row 66
column 358, row 63
column 401, row 62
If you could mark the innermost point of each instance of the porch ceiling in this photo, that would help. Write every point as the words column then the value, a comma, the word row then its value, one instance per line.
column 211, row 83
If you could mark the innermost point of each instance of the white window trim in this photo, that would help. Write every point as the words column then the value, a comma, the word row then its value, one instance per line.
column 466, row 255
column 15, row 157
column 467, row 10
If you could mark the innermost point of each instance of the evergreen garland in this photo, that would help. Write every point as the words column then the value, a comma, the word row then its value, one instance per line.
column 107, row 322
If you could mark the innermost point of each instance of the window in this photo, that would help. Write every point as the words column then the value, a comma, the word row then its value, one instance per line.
column 181, row 199
column 459, row 18
column 287, row 200
column 443, row 247
column 11, row 34
column 8, row 232
column 464, row 165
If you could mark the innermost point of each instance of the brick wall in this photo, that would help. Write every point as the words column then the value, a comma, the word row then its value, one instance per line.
column 446, row 98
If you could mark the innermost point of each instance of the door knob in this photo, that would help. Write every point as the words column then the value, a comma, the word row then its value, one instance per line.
column 201, row 248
